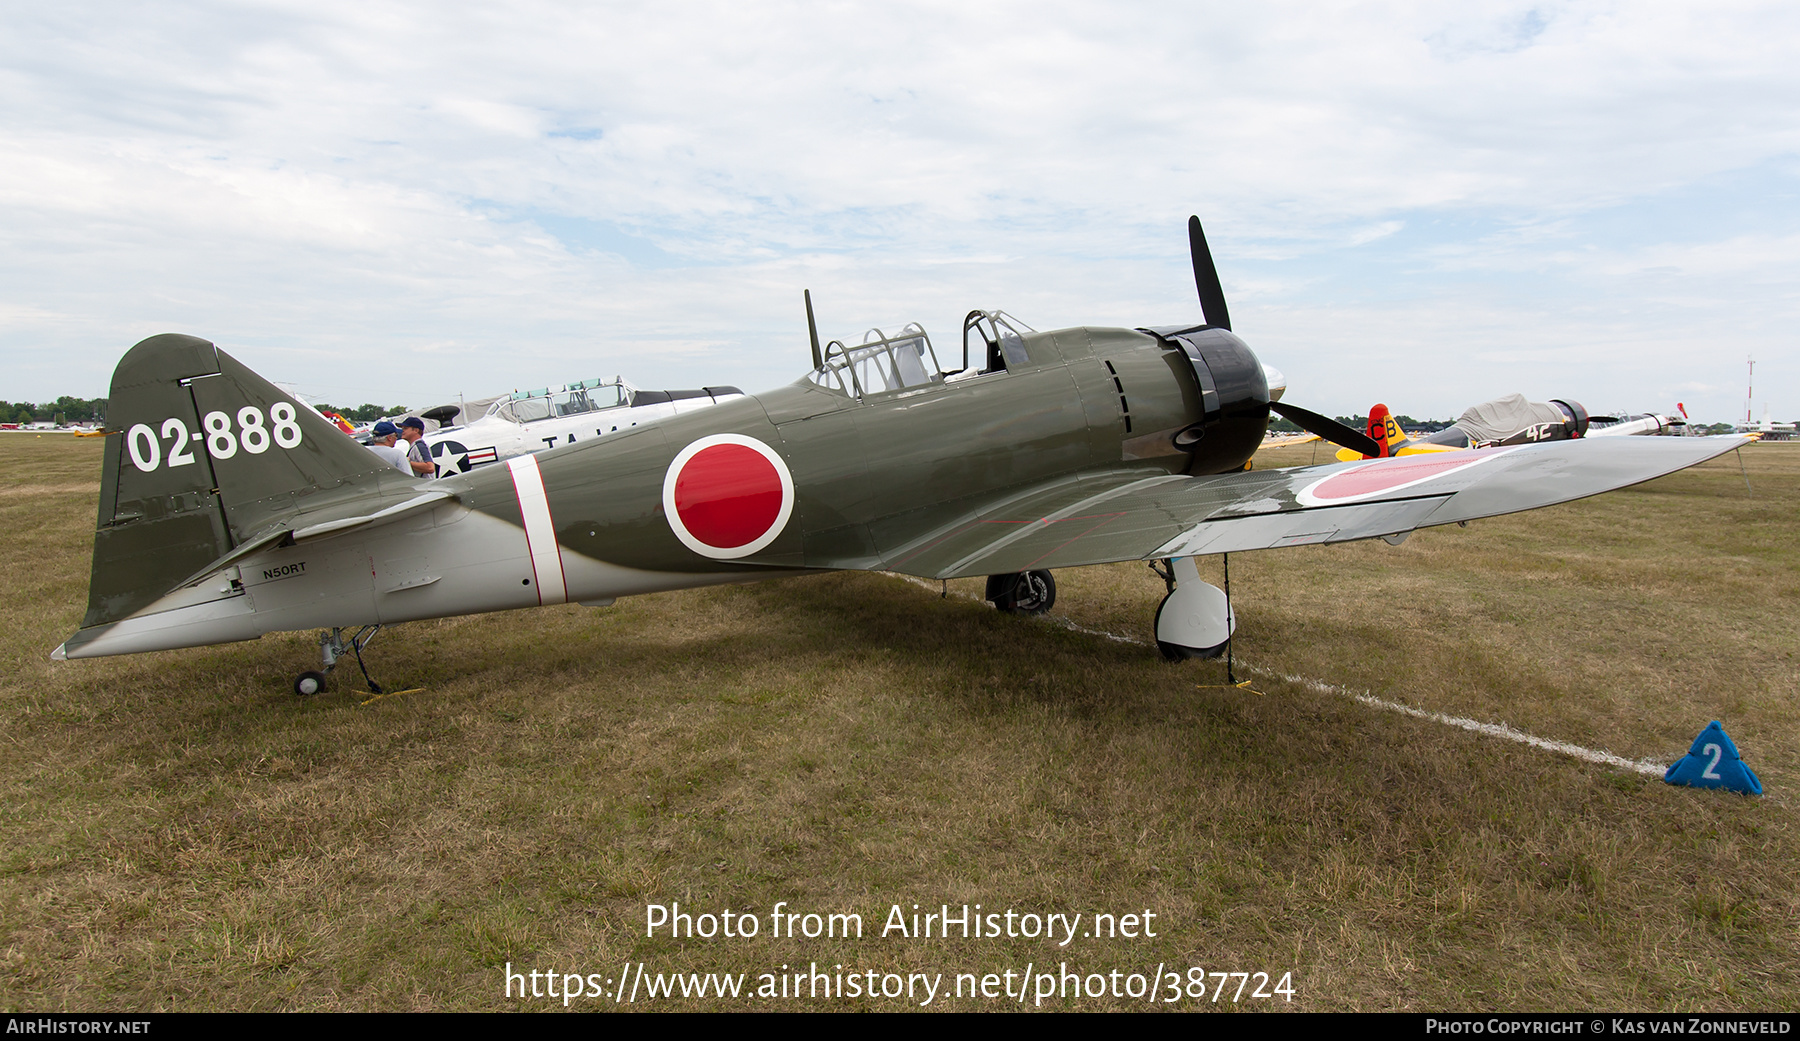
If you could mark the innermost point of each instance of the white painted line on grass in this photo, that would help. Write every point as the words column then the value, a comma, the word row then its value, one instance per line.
column 1643, row 766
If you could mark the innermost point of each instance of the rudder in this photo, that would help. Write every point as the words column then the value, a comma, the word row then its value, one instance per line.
column 202, row 455
column 1384, row 431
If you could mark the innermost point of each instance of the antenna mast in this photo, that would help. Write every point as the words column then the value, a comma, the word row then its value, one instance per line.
column 1750, row 390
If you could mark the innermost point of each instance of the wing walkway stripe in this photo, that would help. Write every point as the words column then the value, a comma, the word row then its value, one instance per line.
column 1643, row 766
column 540, row 533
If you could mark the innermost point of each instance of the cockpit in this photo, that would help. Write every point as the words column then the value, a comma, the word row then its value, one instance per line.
column 884, row 364
column 574, row 399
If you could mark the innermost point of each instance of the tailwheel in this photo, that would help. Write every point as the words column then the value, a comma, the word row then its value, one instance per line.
column 334, row 644
column 1030, row 592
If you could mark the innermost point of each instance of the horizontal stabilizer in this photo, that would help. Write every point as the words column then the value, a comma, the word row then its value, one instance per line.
column 286, row 536
column 325, row 529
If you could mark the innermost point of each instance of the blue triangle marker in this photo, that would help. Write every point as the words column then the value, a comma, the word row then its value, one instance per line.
column 1713, row 762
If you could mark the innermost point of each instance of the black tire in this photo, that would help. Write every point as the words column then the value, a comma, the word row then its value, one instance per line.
column 1030, row 593
column 309, row 683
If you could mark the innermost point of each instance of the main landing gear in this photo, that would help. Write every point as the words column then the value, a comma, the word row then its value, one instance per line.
column 1195, row 620
column 1029, row 592
column 332, row 645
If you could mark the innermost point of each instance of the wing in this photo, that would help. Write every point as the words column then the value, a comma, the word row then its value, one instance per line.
column 1114, row 516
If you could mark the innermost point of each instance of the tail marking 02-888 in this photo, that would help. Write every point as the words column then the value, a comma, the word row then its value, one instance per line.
column 147, row 453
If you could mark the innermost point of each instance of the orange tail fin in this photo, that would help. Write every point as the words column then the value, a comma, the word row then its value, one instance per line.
column 1382, row 430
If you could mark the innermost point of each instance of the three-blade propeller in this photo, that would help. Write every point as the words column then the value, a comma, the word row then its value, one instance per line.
column 1212, row 305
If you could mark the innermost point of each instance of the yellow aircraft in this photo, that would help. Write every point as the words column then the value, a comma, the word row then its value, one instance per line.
column 1504, row 421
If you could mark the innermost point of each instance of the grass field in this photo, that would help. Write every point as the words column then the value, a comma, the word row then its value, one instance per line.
column 182, row 833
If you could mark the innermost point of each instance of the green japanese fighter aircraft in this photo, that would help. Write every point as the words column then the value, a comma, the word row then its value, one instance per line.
column 227, row 510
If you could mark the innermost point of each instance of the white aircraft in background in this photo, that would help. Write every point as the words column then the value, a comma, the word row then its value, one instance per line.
column 1640, row 423
column 1770, row 430
column 538, row 420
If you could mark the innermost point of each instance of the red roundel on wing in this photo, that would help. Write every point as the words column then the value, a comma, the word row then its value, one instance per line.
column 1378, row 477
column 728, row 495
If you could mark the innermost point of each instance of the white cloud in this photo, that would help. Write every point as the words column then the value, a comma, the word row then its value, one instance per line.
column 412, row 195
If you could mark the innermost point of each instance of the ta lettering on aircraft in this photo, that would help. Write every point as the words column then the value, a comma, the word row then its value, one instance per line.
column 227, row 512
column 538, row 420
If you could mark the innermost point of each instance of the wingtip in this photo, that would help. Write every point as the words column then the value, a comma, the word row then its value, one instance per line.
column 59, row 654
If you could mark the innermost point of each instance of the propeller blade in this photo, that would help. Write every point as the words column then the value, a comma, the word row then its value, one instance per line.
column 1206, row 279
column 1327, row 428
column 812, row 329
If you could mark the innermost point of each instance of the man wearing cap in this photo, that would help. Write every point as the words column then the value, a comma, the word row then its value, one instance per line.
column 418, row 453
column 385, row 434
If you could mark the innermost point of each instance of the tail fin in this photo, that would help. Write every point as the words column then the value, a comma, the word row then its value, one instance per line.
column 1379, row 422
column 338, row 421
column 203, row 455
column 1391, row 437
column 1384, row 431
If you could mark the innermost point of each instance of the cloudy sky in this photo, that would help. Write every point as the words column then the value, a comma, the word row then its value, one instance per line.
column 1426, row 205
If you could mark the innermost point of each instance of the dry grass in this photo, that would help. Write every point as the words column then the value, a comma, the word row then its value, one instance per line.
column 182, row 833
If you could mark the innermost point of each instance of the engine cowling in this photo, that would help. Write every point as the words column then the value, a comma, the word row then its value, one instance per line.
column 1577, row 422
column 1234, row 397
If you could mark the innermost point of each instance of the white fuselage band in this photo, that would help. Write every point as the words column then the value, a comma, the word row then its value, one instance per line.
column 540, row 534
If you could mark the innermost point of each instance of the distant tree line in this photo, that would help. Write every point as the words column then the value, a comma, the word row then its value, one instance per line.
column 63, row 410
column 1288, row 426
column 68, row 409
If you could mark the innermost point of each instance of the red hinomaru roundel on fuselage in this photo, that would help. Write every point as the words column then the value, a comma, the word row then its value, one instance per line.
column 727, row 496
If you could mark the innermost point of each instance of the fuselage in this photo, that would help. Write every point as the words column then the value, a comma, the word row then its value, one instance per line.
column 867, row 478
column 874, row 474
